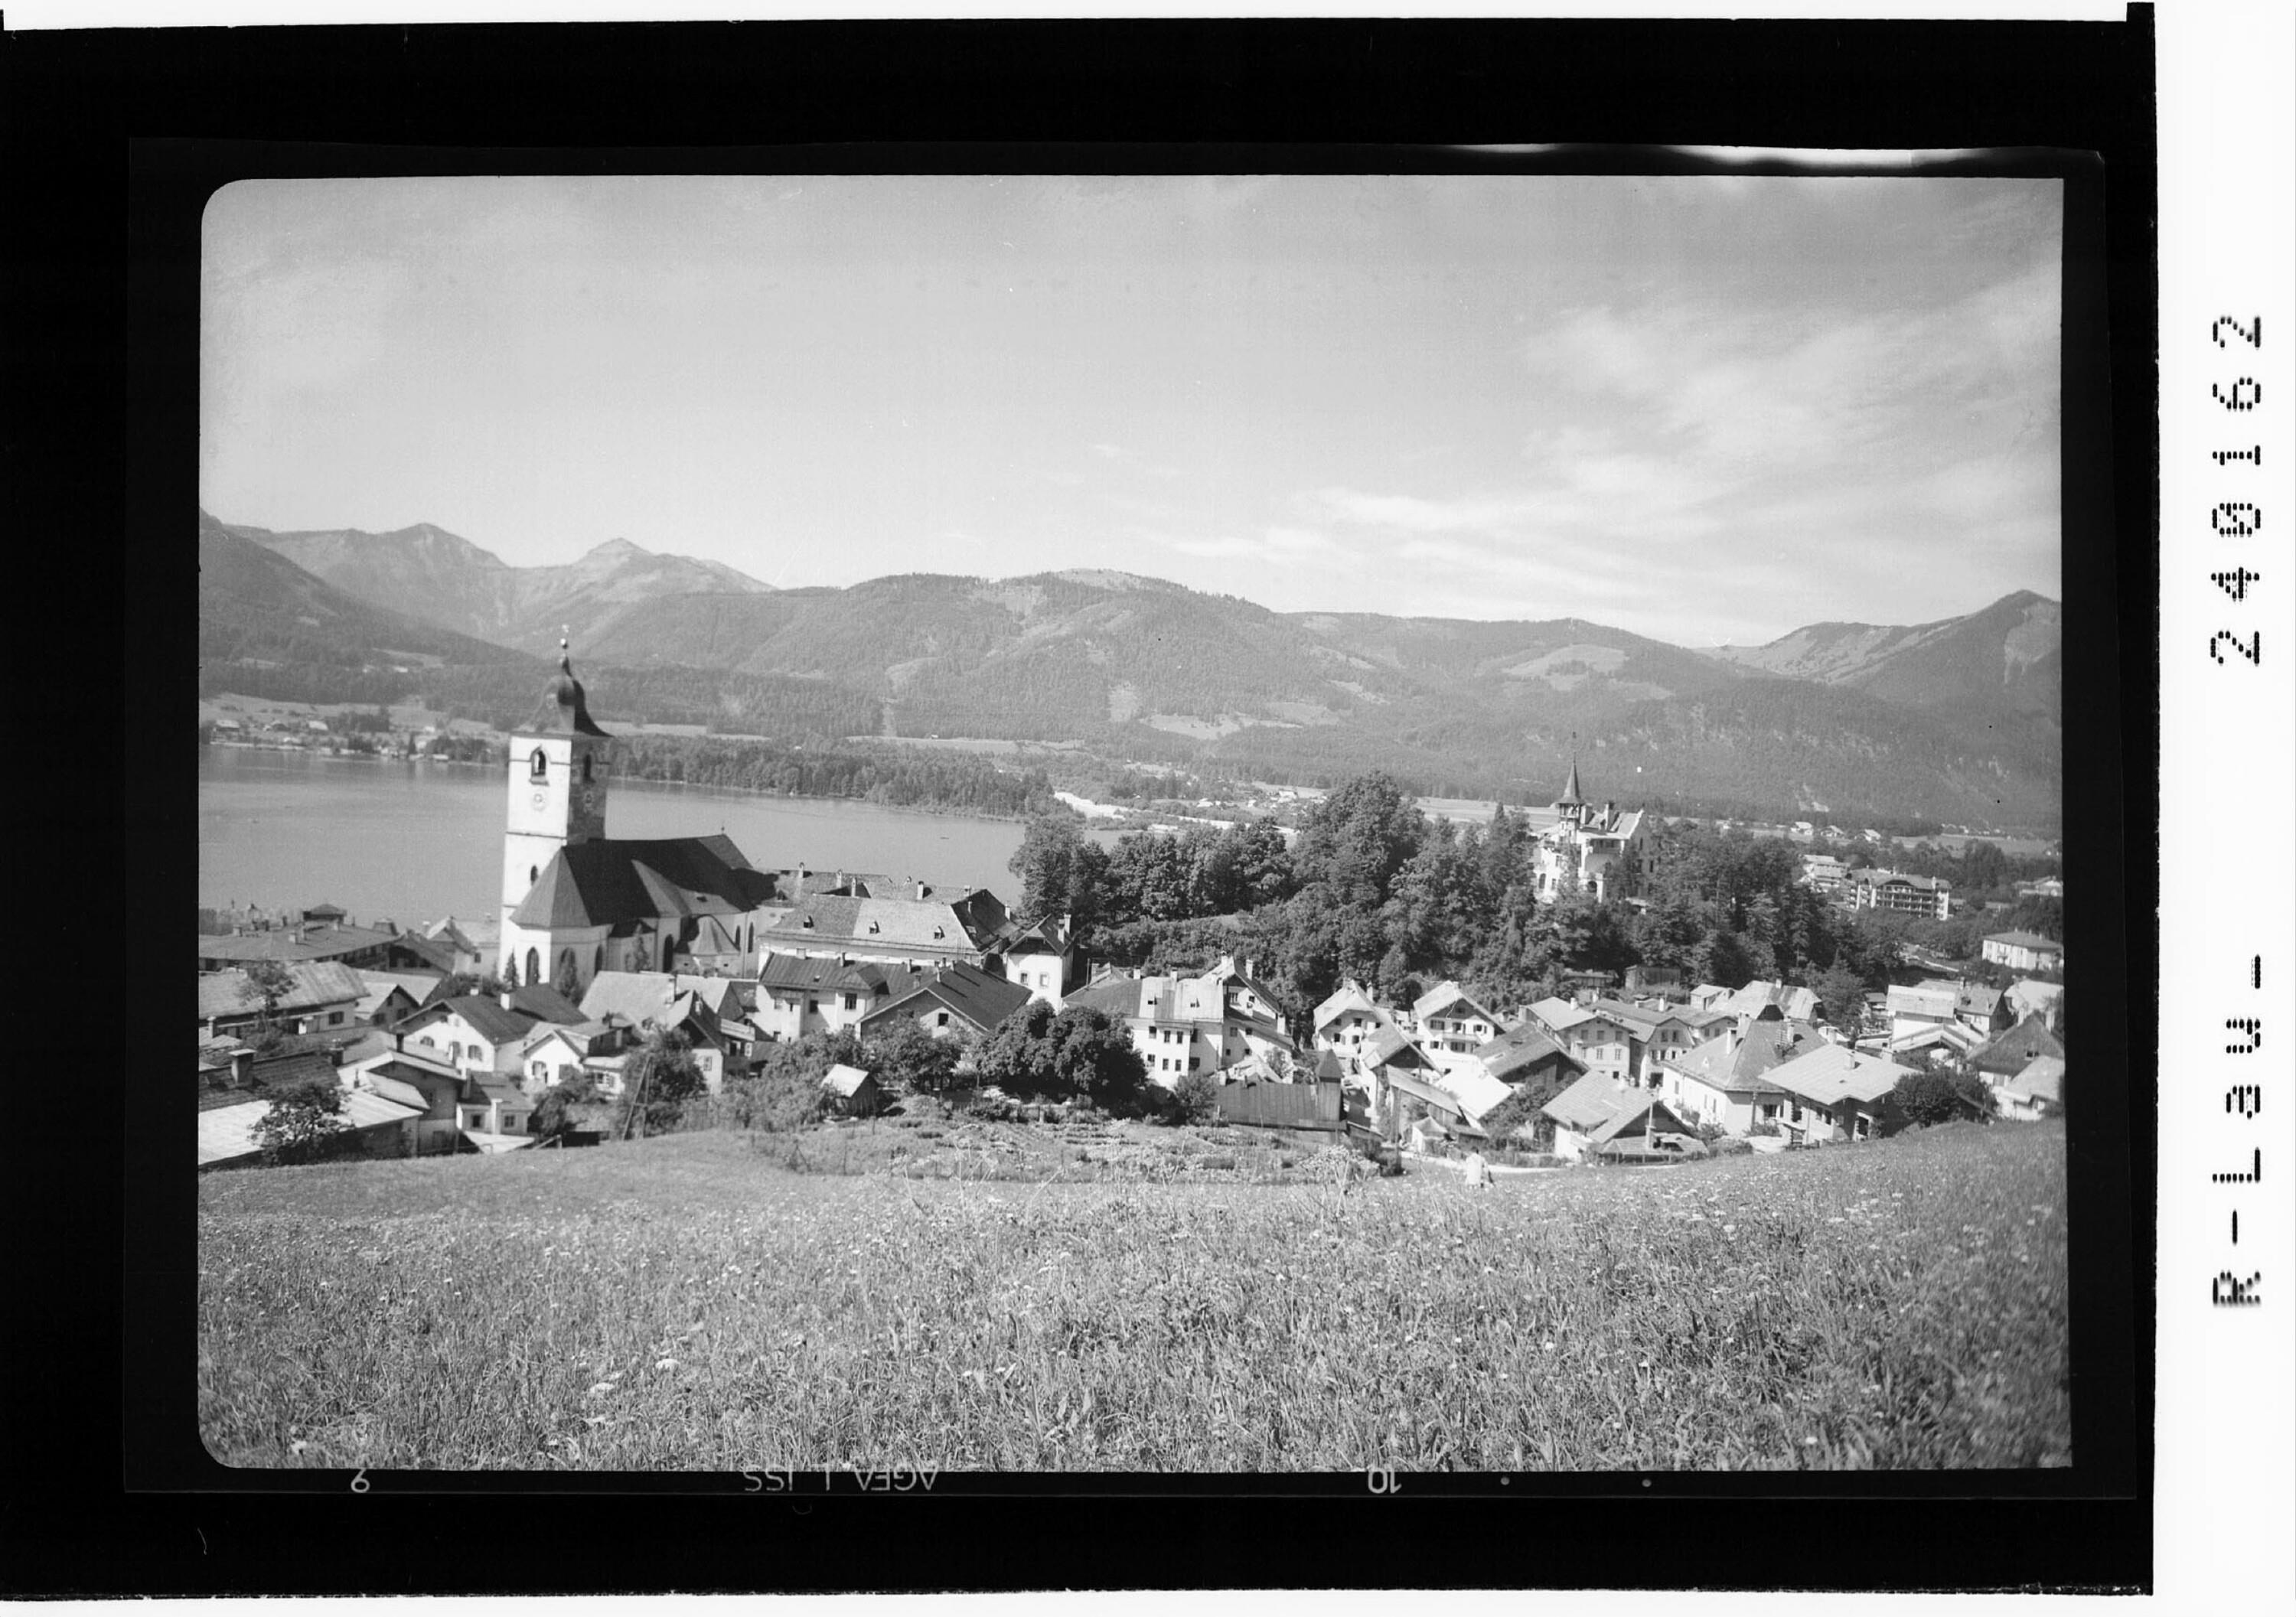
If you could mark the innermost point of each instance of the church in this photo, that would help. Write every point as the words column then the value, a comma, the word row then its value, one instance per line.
column 575, row 902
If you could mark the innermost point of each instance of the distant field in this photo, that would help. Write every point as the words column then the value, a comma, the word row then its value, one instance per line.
column 689, row 1303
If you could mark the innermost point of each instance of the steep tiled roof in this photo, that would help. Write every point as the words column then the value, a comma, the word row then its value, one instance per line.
column 964, row 922
column 982, row 998
column 488, row 1018
column 1520, row 1048
column 1440, row 998
column 1938, row 1002
column 2008, row 1051
column 544, row 1003
column 1116, row 995
column 607, row 882
column 1348, row 997
column 1734, row 1065
column 1477, row 1089
column 841, row 1079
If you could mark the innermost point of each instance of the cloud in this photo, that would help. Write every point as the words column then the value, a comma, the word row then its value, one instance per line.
column 1274, row 545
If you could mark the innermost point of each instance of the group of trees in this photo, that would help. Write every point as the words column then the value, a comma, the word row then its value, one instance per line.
column 1375, row 891
column 876, row 773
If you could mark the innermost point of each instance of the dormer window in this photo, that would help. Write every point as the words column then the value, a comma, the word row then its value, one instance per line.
column 808, row 923
column 873, row 926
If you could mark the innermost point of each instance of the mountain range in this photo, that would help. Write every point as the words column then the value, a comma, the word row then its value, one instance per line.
column 1957, row 721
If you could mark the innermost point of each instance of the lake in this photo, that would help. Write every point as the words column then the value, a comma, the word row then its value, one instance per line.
column 416, row 841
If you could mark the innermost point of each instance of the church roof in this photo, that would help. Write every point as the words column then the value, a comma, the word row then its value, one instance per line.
column 563, row 710
column 608, row 882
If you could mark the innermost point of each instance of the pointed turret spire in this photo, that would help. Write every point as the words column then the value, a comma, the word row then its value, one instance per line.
column 564, row 709
column 1570, row 798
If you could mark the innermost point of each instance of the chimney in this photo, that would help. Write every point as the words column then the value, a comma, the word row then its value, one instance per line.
column 921, row 893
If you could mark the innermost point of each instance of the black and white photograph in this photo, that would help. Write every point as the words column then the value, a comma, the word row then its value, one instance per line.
column 860, row 827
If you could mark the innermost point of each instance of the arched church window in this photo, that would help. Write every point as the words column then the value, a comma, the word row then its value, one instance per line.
column 586, row 765
column 533, row 874
column 537, row 766
column 597, row 959
column 533, row 968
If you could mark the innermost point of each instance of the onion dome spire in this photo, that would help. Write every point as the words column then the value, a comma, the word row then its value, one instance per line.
column 564, row 709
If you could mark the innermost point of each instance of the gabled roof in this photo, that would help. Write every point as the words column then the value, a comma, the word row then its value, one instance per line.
column 2009, row 1050
column 1349, row 996
column 227, row 1133
column 957, row 924
column 544, row 1003
column 637, row 998
column 841, row 1079
column 2043, row 1078
column 1831, row 1073
column 1591, row 1102
column 1114, row 996
column 981, row 997
column 1520, row 1048
column 1478, row 1091
column 1390, row 1044
column 488, row 1018
column 422, row 987
column 608, row 882
column 1559, row 1013
column 1440, row 998
column 1328, row 1070
column 1734, row 1065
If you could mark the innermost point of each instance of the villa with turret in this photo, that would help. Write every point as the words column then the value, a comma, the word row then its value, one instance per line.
column 1606, row 853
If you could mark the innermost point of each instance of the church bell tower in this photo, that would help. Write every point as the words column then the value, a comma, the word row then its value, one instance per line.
column 559, row 764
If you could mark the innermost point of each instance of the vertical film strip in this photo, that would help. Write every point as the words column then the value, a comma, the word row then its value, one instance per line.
column 2227, row 1071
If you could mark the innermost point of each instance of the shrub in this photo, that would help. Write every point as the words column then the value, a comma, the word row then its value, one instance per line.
column 1196, row 1097
column 304, row 1125
column 1766, row 1130
column 1728, row 1147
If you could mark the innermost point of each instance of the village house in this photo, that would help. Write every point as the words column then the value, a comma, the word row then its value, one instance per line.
column 416, row 1076
column 392, row 995
column 802, row 994
column 1919, row 1008
column 643, row 1002
column 1041, row 957
column 1525, row 1057
column 1413, row 1105
column 1447, row 1020
column 1600, row 1116
column 373, row 1125
column 470, row 1033
column 1317, row 1105
column 1720, row 1083
column 2007, row 1053
column 1600, row 1041
column 1834, row 1093
column 953, row 1000
column 1642, row 980
column 322, row 995
column 1347, row 1022
column 298, row 944
column 1202, row 1024
column 920, row 928
column 2037, row 1091
column 555, row 1054
column 2025, row 952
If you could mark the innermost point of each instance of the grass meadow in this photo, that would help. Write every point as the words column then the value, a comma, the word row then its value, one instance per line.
column 694, row 1302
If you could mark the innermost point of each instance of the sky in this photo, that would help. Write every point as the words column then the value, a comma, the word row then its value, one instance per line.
column 1708, row 409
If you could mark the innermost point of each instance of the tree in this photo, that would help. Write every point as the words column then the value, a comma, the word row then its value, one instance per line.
column 304, row 1124
column 553, row 1113
column 657, row 1081
column 911, row 1061
column 1355, row 840
column 1937, row 1097
column 1842, row 992
column 1520, row 1111
column 1076, row 1053
column 568, row 979
column 1045, row 862
column 510, row 974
